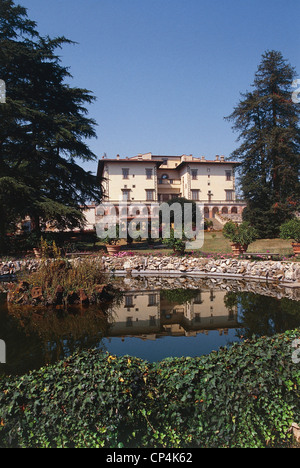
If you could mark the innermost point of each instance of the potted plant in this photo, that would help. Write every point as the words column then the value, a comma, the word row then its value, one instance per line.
column 208, row 225
column 291, row 230
column 112, row 242
column 177, row 244
column 240, row 235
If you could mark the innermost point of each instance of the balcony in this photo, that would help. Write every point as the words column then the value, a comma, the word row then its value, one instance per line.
column 225, row 202
column 169, row 181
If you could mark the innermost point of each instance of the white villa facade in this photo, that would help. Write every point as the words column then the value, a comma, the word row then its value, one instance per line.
column 148, row 179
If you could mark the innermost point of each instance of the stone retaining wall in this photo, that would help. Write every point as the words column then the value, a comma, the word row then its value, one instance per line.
column 276, row 271
column 286, row 272
column 12, row 267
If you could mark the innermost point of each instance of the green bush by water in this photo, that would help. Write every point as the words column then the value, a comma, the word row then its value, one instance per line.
column 244, row 396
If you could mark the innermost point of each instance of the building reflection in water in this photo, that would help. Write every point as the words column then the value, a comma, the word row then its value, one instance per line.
column 151, row 314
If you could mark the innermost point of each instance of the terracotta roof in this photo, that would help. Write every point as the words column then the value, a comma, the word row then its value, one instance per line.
column 137, row 159
column 102, row 162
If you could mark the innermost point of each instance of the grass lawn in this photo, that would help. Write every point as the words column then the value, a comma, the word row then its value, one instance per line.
column 214, row 242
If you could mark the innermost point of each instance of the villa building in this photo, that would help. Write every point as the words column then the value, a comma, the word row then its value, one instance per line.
column 148, row 315
column 149, row 179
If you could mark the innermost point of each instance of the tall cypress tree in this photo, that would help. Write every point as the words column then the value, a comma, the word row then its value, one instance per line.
column 268, row 125
column 44, row 128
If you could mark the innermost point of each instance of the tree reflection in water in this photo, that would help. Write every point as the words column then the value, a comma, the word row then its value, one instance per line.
column 262, row 315
column 35, row 337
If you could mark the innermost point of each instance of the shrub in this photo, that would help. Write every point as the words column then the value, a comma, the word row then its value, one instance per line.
column 246, row 396
column 243, row 234
column 63, row 275
column 89, row 400
column 115, row 239
column 49, row 249
column 208, row 223
column 291, row 230
column 175, row 243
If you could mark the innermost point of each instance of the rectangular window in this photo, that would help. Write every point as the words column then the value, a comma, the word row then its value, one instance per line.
column 125, row 173
column 228, row 175
column 229, row 195
column 126, row 194
column 149, row 195
column 194, row 174
column 129, row 301
column 195, row 195
column 152, row 300
column 149, row 173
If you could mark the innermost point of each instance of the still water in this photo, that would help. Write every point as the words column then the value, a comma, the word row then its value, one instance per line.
column 151, row 324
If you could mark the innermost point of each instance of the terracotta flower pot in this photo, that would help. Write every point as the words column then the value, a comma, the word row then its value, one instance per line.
column 113, row 249
column 296, row 248
column 238, row 249
column 179, row 251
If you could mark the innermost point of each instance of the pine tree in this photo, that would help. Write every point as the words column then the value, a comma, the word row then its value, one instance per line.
column 44, row 128
column 268, row 125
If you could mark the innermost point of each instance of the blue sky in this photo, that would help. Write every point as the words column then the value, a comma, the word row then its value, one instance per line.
column 166, row 72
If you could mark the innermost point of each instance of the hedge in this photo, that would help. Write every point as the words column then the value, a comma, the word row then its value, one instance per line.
column 245, row 396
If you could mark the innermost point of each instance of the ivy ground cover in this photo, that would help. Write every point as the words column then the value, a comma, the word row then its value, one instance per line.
column 243, row 396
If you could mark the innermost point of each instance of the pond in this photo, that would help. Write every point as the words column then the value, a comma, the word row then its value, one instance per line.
column 150, row 321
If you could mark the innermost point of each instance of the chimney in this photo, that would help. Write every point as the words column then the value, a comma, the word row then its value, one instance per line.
column 118, row 157
column 222, row 158
column 217, row 157
column 203, row 158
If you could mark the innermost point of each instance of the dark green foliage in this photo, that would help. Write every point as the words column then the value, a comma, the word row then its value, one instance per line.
column 243, row 233
column 88, row 399
column 291, row 230
column 179, row 295
column 268, row 125
column 44, row 129
column 245, row 396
